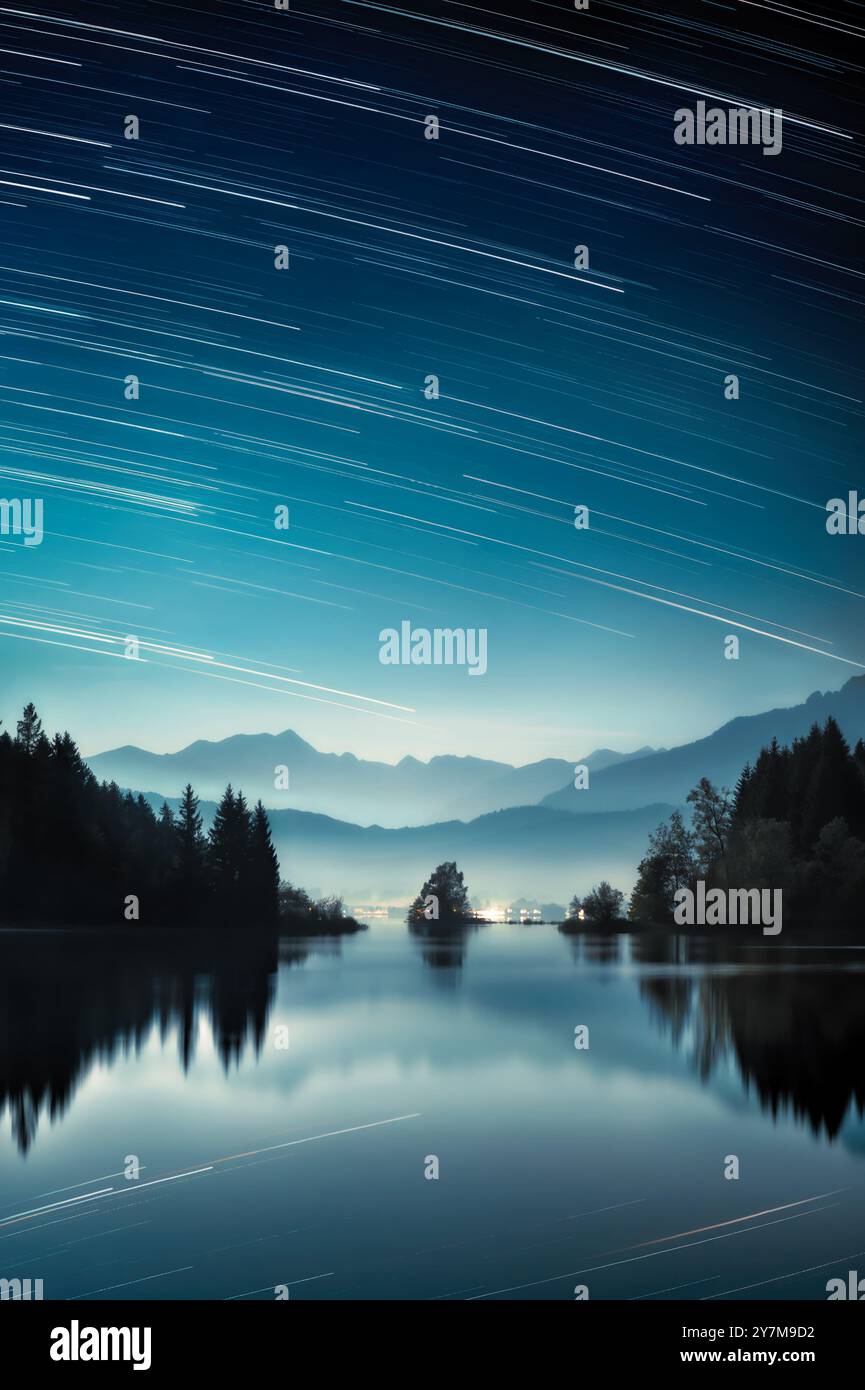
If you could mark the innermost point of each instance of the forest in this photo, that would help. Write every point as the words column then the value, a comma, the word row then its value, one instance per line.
column 74, row 851
column 795, row 821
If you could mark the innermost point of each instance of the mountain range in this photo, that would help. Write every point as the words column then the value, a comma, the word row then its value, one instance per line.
column 372, row 831
column 349, row 788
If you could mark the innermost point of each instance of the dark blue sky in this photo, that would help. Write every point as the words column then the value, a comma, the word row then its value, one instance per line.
column 408, row 257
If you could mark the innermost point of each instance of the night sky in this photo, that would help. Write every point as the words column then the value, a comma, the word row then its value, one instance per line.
column 410, row 257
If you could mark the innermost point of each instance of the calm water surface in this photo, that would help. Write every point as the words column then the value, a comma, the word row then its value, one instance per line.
column 264, row 1165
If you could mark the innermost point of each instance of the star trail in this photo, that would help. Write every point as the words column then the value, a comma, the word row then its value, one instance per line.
column 424, row 280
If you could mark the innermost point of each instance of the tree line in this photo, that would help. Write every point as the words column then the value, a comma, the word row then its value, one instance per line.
column 76, row 851
column 795, row 821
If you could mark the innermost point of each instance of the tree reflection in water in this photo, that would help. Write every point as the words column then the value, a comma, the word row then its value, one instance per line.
column 793, row 1023
column 69, row 1000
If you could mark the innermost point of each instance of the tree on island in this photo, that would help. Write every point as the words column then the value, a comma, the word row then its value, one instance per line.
column 443, row 898
column 602, row 906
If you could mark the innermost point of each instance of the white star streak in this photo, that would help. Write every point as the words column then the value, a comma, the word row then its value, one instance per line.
column 187, row 655
column 38, row 188
column 55, row 135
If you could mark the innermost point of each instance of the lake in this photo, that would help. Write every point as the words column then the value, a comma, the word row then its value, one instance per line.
column 282, row 1102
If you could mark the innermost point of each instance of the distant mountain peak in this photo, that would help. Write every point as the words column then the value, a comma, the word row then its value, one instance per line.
column 669, row 774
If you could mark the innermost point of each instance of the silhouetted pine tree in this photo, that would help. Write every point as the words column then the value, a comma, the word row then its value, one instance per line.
column 29, row 729
column 190, row 890
column 166, row 869
column 228, row 856
column 263, row 896
column 743, row 792
column 773, row 794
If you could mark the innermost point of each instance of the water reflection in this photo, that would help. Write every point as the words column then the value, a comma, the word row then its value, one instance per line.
column 594, row 947
column 787, row 1025
column 796, row 1035
column 443, row 948
column 791, row 1021
column 71, row 1000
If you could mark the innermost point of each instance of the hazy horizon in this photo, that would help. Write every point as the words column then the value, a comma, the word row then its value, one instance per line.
column 174, row 744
